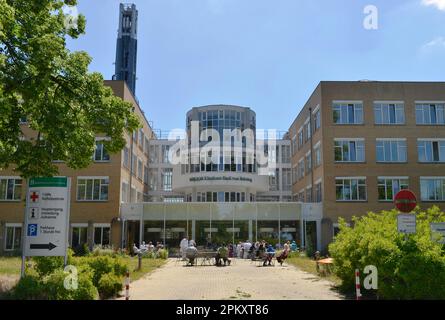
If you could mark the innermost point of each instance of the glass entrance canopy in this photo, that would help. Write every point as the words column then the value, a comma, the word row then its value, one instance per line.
column 217, row 223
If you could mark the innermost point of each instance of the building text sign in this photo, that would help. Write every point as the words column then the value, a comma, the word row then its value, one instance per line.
column 406, row 223
column 47, row 217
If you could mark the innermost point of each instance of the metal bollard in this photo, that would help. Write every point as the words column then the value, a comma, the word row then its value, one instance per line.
column 127, row 286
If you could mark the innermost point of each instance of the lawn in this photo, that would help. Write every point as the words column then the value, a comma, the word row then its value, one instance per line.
column 148, row 265
column 10, row 266
column 308, row 265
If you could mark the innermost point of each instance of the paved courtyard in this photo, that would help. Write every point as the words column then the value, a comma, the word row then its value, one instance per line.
column 242, row 280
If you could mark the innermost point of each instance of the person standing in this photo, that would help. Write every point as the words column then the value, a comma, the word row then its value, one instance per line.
column 183, row 247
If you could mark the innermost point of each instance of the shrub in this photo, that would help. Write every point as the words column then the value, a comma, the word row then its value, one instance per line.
column 101, row 265
column 104, row 251
column 109, row 285
column 411, row 267
column 81, row 250
column 162, row 254
column 54, row 286
column 29, row 287
column 47, row 265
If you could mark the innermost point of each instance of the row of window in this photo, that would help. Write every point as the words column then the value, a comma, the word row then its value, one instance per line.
column 304, row 165
column 79, row 236
column 389, row 150
column 222, row 196
column 355, row 189
column 305, row 132
column 137, row 167
column 427, row 113
column 306, row 195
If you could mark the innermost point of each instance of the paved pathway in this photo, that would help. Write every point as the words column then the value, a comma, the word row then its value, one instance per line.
column 242, row 280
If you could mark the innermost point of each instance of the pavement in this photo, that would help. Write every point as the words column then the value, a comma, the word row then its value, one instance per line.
column 242, row 280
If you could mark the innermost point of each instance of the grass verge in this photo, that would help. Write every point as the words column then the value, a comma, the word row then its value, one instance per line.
column 148, row 265
column 308, row 265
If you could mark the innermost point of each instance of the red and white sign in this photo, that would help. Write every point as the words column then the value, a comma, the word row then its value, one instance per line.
column 405, row 201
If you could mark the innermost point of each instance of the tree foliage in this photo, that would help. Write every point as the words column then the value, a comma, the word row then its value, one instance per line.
column 49, row 86
column 409, row 267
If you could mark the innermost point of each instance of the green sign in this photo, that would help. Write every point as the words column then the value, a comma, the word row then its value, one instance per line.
column 48, row 182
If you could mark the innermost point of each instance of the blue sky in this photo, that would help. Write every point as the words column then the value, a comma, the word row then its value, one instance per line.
column 267, row 55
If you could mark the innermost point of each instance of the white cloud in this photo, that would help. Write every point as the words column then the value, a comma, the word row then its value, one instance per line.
column 440, row 4
column 435, row 46
column 436, row 42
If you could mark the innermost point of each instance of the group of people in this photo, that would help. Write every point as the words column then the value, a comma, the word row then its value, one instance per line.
column 264, row 251
column 260, row 250
column 147, row 248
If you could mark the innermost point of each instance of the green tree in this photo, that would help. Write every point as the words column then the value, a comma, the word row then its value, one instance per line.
column 49, row 86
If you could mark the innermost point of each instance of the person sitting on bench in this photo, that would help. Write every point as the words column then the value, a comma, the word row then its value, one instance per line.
column 222, row 254
column 283, row 255
column 270, row 253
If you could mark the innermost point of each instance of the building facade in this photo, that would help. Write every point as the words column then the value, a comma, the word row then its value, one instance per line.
column 356, row 144
column 351, row 148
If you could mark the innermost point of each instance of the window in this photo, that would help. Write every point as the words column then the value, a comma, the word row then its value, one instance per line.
column 294, row 145
column 348, row 113
column 153, row 179
column 287, row 179
column 391, row 150
column 317, row 119
column 124, row 192
column 294, row 174
column 140, row 169
column 349, row 150
column 317, row 151
column 134, row 163
column 389, row 113
column 274, row 181
column 430, row 113
column 153, row 154
column 126, row 158
column 141, row 138
column 79, row 235
column 388, row 187
column 300, row 169
column 146, row 146
column 431, row 151
column 102, row 234
column 309, row 194
column 100, row 154
column 13, row 237
column 432, row 188
column 307, row 130
column 350, row 189
column 308, row 162
column 300, row 138
column 92, row 189
column 166, row 176
column 165, row 149
column 145, row 174
column 318, row 195
column 10, row 189
column 285, row 154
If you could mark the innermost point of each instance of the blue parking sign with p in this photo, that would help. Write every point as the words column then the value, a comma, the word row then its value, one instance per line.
column 32, row 230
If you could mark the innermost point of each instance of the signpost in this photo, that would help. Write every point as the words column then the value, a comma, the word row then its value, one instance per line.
column 405, row 201
column 406, row 223
column 438, row 232
column 46, row 218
